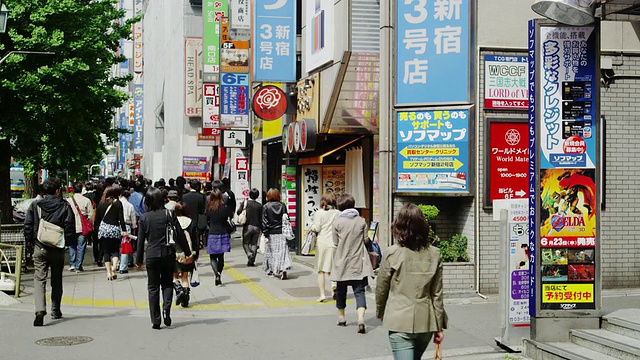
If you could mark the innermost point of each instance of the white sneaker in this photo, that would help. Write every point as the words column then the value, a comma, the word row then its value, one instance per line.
column 71, row 268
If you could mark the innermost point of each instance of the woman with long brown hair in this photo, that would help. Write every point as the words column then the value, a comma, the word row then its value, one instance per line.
column 219, row 238
column 111, row 228
column 409, row 287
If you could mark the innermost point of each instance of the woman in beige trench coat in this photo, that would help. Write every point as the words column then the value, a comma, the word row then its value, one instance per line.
column 409, row 287
column 351, row 263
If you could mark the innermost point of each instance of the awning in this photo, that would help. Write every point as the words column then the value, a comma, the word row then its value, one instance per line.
column 326, row 148
column 354, row 106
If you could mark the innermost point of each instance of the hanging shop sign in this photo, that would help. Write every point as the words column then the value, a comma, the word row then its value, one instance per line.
column 212, row 12
column 508, row 160
column 234, row 54
column 240, row 14
column 433, row 151
column 319, row 44
column 192, row 77
column 234, row 109
column 195, row 167
column 234, row 139
column 137, row 48
column 300, row 136
column 211, row 109
column 138, row 104
column 269, row 103
column 265, row 129
column 505, row 82
column 563, row 172
column 433, row 58
column 275, row 38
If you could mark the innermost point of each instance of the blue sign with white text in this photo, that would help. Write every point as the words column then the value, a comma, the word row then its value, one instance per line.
column 432, row 61
column 433, row 151
column 138, row 103
column 275, row 41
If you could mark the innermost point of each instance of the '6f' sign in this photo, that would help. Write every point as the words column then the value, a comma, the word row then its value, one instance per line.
column 277, row 5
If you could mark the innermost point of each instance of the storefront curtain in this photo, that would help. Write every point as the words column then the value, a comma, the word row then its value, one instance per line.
column 355, row 176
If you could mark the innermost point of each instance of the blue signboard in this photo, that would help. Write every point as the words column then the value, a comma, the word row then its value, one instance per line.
column 533, row 180
column 275, row 41
column 123, row 145
column 138, row 103
column 433, row 151
column 433, row 60
column 568, row 102
column 234, row 100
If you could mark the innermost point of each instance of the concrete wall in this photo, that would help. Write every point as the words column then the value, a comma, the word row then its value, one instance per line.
column 166, row 24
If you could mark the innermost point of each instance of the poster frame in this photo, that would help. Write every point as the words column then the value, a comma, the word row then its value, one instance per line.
column 487, row 203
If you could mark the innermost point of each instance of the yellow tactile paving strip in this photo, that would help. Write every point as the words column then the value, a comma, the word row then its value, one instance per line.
column 260, row 293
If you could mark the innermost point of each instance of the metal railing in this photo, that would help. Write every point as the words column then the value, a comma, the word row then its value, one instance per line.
column 17, row 267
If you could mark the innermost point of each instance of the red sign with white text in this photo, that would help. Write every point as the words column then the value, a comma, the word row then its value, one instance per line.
column 508, row 160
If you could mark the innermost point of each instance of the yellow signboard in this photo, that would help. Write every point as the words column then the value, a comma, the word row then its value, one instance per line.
column 567, row 293
column 406, row 152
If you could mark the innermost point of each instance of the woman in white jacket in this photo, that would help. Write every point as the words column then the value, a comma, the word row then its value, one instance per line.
column 323, row 226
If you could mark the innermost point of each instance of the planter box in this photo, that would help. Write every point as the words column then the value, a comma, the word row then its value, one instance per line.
column 458, row 277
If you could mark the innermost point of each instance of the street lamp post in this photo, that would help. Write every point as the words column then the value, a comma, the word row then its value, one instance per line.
column 4, row 15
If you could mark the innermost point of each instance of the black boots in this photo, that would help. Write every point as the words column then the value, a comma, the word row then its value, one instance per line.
column 167, row 317
column 179, row 291
column 185, row 297
column 39, row 321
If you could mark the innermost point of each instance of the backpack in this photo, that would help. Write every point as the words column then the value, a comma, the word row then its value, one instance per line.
column 375, row 254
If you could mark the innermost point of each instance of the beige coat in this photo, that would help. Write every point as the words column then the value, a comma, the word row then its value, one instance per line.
column 409, row 290
column 351, row 259
column 85, row 207
column 323, row 225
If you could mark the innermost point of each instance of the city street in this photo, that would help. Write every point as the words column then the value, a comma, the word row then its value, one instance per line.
column 250, row 316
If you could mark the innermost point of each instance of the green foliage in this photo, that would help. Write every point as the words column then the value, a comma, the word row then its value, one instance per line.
column 429, row 211
column 454, row 249
column 56, row 106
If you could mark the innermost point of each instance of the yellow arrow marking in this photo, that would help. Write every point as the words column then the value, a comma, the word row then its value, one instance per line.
column 455, row 164
column 406, row 152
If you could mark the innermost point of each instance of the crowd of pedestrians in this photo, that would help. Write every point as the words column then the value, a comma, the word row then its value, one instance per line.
column 164, row 226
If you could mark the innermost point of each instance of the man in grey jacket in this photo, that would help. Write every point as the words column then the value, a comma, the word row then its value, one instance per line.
column 57, row 211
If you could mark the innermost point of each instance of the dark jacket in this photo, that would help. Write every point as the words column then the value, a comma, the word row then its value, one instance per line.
column 152, row 229
column 217, row 220
column 229, row 199
column 195, row 203
column 254, row 213
column 54, row 210
column 115, row 216
column 272, row 213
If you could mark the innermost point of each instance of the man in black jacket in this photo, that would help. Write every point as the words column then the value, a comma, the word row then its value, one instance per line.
column 57, row 211
column 196, row 205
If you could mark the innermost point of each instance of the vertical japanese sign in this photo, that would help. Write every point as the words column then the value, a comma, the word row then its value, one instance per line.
column 505, row 82
column 275, row 41
column 241, row 174
column 193, row 77
column 211, row 109
column 433, row 151
column 563, row 120
column 311, row 193
column 289, row 192
column 212, row 12
column 137, row 39
column 508, row 160
column 234, row 54
column 234, row 109
column 319, row 34
column 138, row 103
column 123, row 145
column 433, row 57
column 240, row 14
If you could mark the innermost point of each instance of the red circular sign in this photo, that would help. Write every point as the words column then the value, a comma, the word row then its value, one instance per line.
column 269, row 103
column 574, row 145
column 303, row 135
column 290, row 139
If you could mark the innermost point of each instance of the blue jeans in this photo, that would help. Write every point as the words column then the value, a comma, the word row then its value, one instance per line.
column 76, row 253
column 124, row 262
column 408, row 346
column 358, row 287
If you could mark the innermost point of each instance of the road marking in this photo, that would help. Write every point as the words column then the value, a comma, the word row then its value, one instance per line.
column 258, row 291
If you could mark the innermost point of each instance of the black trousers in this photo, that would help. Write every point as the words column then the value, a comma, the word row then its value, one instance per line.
column 217, row 263
column 160, row 275
column 250, row 236
column 96, row 247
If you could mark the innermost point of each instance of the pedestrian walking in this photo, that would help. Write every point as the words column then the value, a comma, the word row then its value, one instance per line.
column 409, row 287
column 111, row 228
column 323, row 226
column 351, row 263
column 54, row 210
column 81, row 206
column 131, row 224
column 96, row 247
column 184, row 266
column 161, row 254
column 196, row 206
column 276, row 253
column 251, row 229
column 219, row 240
